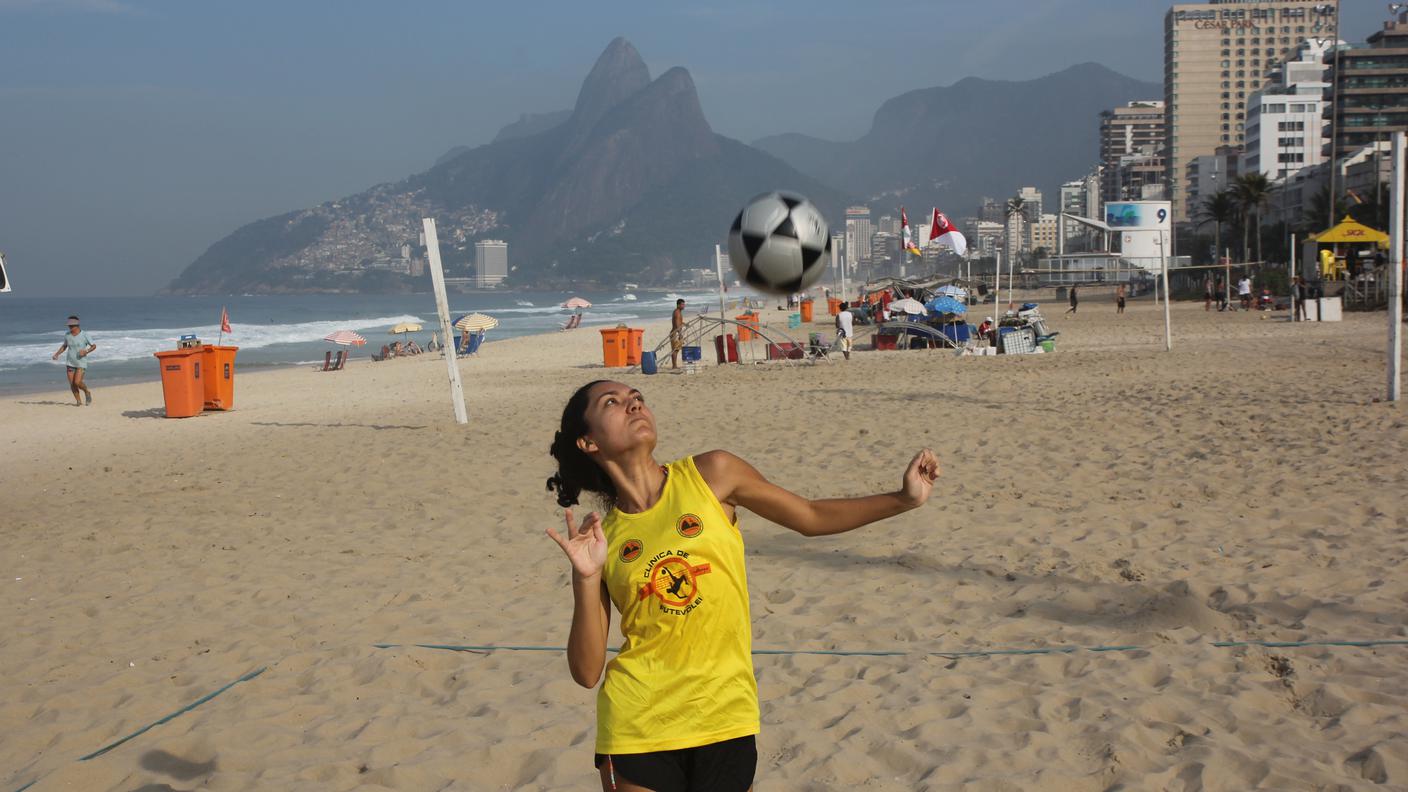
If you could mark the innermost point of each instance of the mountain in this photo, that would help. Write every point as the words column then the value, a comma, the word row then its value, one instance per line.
column 954, row 144
column 633, row 184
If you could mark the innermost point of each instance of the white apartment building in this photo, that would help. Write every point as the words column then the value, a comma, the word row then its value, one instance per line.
column 1285, row 129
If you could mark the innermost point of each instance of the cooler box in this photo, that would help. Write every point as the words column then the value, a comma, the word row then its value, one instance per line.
column 181, row 385
column 615, row 343
column 647, row 362
column 219, row 379
column 886, row 341
column 726, row 348
column 807, row 311
column 794, row 321
column 635, row 344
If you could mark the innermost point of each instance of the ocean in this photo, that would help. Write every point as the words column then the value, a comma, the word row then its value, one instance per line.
column 284, row 330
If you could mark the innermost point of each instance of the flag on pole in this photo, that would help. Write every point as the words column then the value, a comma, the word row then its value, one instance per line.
column 907, row 239
column 224, row 320
column 943, row 232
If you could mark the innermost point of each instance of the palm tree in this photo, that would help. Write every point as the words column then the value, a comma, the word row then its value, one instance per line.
column 1014, row 207
column 1252, row 191
column 1314, row 217
column 1218, row 208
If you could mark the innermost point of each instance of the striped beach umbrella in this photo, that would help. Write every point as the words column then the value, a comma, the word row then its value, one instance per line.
column 345, row 338
column 576, row 302
column 476, row 322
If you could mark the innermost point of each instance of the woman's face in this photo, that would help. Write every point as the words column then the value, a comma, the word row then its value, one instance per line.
column 618, row 420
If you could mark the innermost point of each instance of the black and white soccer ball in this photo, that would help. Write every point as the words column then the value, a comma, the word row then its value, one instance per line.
column 779, row 243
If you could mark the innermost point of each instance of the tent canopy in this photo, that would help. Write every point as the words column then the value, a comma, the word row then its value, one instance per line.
column 1348, row 231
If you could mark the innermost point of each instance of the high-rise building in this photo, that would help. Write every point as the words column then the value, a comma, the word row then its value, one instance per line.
column 991, row 210
column 1042, row 234
column 1014, row 234
column 1132, row 141
column 1080, row 198
column 1285, row 130
column 490, row 263
column 1216, row 54
column 859, row 232
column 1208, row 175
column 1369, row 82
column 888, row 224
column 1031, row 203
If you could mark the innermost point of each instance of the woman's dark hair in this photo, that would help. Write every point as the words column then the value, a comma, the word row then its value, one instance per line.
column 575, row 470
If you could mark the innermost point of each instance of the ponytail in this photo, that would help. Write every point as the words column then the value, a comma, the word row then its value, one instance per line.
column 576, row 472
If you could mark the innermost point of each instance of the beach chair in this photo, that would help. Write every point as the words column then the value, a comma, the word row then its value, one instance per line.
column 469, row 344
column 572, row 323
column 327, row 361
column 341, row 361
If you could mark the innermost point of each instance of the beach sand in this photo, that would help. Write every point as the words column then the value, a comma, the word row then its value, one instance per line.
column 1243, row 487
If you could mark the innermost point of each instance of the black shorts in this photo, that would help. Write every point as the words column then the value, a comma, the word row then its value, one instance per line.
column 726, row 766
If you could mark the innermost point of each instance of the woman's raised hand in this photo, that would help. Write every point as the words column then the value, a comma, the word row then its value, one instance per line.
column 585, row 544
column 919, row 477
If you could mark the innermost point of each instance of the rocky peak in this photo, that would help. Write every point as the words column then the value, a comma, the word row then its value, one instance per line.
column 618, row 74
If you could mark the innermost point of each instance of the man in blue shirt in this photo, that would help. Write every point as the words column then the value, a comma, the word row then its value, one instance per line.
column 76, row 347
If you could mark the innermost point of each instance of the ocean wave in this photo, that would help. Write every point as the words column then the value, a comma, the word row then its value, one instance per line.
column 114, row 345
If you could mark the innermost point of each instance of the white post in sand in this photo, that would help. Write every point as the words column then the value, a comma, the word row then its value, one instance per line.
column 1168, row 324
column 1291, row 275
column 1227, row 279
column 719, row 270
column 1395, row 274
column 442, row 307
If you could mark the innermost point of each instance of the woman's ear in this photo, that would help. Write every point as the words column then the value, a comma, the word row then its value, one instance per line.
column 586, row 444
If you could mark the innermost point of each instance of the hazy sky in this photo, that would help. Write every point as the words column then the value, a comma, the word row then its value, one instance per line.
column 135, row 133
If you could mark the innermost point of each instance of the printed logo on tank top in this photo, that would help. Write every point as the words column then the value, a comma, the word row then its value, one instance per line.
column 673, row 579
column 631, row 550
column 689, row 526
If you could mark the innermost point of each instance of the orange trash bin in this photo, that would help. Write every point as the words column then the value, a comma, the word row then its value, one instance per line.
column 748, row 326
column 833, row 305
column 181, row 385
column 615, row 343
column 219, row 376
column 806, row 311
column 635, row 342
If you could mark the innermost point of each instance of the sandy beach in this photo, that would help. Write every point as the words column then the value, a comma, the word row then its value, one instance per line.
column 1245, row 487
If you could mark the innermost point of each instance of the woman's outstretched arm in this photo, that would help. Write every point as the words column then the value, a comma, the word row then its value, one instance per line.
column 738, row 483
column 585, row 547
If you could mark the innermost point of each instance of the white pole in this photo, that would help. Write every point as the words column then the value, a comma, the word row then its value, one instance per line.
column 1011, row 261
column 1168, row 324
column 1291, row 276
column 1395, row 276
column 442, row 307
column 719, row 269
column 1227, row 279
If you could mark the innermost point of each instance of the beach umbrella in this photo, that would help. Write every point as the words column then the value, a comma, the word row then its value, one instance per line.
column 952, row 291
column 909, row 306
column 946, row 305
column 405, row 327
column 576, row 302
column 345, row 338
column 476, row 322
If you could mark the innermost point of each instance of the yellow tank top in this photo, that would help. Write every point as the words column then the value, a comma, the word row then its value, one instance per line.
column 684, row 676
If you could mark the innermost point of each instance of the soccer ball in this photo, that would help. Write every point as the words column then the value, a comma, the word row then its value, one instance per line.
column 779, row 243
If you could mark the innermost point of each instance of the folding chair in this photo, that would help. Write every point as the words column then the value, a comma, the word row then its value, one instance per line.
column 819, row 349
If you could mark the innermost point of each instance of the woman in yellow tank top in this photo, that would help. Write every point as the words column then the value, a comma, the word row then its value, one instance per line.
column 678, row 709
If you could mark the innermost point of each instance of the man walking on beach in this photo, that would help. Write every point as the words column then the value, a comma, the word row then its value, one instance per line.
column 1119, row 299
column 1244, row 292
column 1074, row 300
column 1207, row 293
column 676, row 334
column 845, row 329
column 76, row 346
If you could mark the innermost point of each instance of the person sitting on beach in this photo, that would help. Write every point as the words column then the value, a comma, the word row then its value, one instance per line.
column 412, row 348
column 678, row 709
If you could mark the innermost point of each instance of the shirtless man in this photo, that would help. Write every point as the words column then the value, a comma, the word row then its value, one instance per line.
column 676, row 334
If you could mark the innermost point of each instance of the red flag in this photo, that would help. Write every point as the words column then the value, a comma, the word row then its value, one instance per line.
column 939, row 225
column 224, row 321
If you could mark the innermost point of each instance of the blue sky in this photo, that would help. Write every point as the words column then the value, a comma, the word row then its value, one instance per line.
column 135, row 133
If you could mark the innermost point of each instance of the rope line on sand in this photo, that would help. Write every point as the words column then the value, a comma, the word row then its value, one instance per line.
column 207, row 697
column 164, row 719
column 1043, row 650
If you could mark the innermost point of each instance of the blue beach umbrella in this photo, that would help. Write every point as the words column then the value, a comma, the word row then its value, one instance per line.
column 946, row 305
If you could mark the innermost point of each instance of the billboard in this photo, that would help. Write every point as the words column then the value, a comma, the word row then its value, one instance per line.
column 1143, row 228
